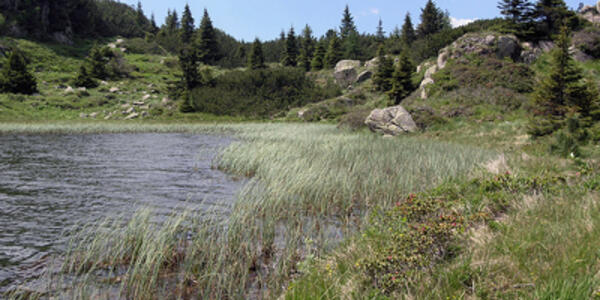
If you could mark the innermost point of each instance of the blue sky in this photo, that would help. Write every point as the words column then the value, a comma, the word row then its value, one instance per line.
column 266, row 18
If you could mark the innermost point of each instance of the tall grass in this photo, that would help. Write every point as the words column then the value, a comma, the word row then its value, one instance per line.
column 312, row 184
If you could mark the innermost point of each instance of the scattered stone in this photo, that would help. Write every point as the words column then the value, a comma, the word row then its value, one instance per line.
column 123, row 49
column 130, row 110
column 132, row 116
column 393, row 120
column 83, row 115
column 82, row 89
column 93, row 115
column 145, row 107
column 144, row 114
column 69, row 90
column 364, row 76
column 165, row 100
column 119, row 41
column 138, row 103
column 103, row 82
column 112, row 46
column 442, row 60
column 426, row 82
column 146, row 97
column 113, row 89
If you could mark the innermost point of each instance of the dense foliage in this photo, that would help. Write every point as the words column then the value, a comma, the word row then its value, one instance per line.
column 258, row 93
column 15, row 77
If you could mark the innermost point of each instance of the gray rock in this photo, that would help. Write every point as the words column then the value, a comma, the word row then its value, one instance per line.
column 364, row 76
column 578, row 55
column 393, row 120
column 144, row 114
column 426, row 82
column 69, row 90
column 93, row 115
column 130, row 110
column 146, row 97
column 345, row 77
column 82, row 89
column 372, row 64
column 165, row 100
column 429, row 73
column 138, row 103
column 113, row 89
column 347, row 64
column 442, row 59
column 62, row 38
column 508, row 46
column 598, row 6
column 132, row 116
column 83, row 115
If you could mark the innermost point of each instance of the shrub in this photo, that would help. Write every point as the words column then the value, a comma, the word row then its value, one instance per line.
column 354, row 120
column 84, row 79
column 15, row 78
column 588, row 41
column 142, row 46
column 258, row 92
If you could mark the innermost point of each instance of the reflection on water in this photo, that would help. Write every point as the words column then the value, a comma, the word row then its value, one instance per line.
column 49, row 183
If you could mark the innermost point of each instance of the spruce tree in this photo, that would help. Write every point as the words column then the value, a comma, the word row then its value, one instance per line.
column 188, row 62
column 290, row 52
column 308, row 42
column 153, row 27
column 347, row 26
column 172, row 22
column 384, row 71
column 333, row 54
column 380, row 33
column 408, row 31
column 304, row 60
column 15, row 78
column 562, row 92
column 433, row 20
column 401, row 80
column 208, row 46
column 187, row 25
column 97, row 63
column 317, row 63
column 515, row 10
column 351, row 46
column 140, row 18
column 552, row 14
column 84, row 79
column 256, row 59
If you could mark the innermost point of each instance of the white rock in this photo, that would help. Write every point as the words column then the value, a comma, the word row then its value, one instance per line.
column 93, row 115
column 146, row 97
column 113, row 89
column 165, row 100
column 138, row 103
column 132, row 116
column 82, row 89
column 69, row 90
column 130, row 110
column 83, row 115
column 426, row 82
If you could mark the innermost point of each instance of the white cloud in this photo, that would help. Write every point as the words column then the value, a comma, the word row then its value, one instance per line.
column 460, row 22
column 374, row 11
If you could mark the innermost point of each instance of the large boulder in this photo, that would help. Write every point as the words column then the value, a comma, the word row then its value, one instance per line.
column 364, row 76
column 347, row 64
column 598, row 6
column 508, row 46
column 393, row 120
column 345, row 72
column 345, row 77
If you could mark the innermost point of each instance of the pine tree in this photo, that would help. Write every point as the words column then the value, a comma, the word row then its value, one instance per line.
column 433, row 20
column 187, row 25
column 153, row 27
column 15, row 78
column 256, row 59
column 208, row 46
column 401, row 80
column 317, row 63
column 141, row 19
column 172, row 22
column 352, row 47
column 380, row 33
column 84, row 79
column 308, row 42
column 408, row 31
column 347, row 26
column 304, row 60
column 384, row 71
column 241, row 51
column 552, row 14
column 188, row 62
column 515, row 10
column 290, row 52
column 333, row 54
column 562, row 92
column 97, row 63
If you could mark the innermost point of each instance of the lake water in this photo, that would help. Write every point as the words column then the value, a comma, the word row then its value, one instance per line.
column 50, row 183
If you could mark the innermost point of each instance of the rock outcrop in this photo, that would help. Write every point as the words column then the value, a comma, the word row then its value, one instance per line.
column 364, row 76
column 591, row 13
column 345, row 72
column 393, row 121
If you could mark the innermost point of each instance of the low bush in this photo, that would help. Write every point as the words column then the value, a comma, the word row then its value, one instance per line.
column 588, row 41
column 142, row 46
column 354, row 120
column 257, row 93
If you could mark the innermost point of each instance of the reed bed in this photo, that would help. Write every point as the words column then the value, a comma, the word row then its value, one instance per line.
column 311, row 185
